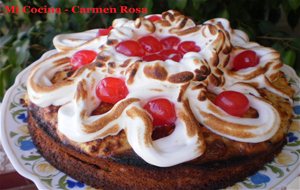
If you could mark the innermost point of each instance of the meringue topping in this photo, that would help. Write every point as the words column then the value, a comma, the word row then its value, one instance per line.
column 185, row 83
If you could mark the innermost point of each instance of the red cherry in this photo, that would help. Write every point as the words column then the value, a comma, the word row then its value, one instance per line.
column 234, row 103
column 245, row 59
column 153, row 57
column 82, row 57
column 162, row 112
column 130, row 48
column 188, row 46
column 111, row 90
column 104, row 32
column 170, row 42
column 154, row 18
column 150, row 44
column 171, row 54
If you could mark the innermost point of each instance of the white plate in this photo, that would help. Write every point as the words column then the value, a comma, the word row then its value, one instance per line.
column 28, row 162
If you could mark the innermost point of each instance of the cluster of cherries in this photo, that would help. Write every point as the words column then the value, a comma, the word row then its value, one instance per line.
column 111, row 89
column 150, row 48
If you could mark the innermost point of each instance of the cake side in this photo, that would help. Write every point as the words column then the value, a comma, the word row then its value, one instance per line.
column 102, row 174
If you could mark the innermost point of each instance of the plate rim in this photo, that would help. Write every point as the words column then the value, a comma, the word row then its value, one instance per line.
column 4, row 139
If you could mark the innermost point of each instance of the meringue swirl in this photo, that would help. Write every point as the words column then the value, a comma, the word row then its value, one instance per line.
column 185, row 83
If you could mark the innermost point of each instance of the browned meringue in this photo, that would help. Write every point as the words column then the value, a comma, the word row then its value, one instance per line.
column 185, row 83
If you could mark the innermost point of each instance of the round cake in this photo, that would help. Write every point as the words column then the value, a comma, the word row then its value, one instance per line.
column 159, row 103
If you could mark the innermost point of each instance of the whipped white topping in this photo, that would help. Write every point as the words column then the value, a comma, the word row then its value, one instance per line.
column 183, row 83
column 42, row 91
column 244, row 129
column 65, row 42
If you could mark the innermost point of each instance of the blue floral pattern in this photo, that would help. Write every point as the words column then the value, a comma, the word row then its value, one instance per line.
column 291, row 137
column 297, row 109
column 71, row 184
column 27, row 145
column 259, row 178
column 23, row 117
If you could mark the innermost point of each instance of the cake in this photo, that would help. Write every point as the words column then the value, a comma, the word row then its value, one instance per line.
column 159, row 103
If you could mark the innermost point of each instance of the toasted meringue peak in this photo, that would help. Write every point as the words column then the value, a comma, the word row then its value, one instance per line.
column 185, row 83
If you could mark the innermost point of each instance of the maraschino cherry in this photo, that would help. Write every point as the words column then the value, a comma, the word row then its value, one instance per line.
column 245, row 59
column 150, row 44
column 154, row 18
column 232, row 102
column 173, row 54
column 151, row 49
column 111, row 90
column 188, row 46
column 130, row 48
column 104, row 32
column 82, row 57
column 170, row 42
column 164, row 116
